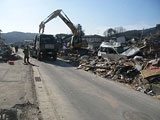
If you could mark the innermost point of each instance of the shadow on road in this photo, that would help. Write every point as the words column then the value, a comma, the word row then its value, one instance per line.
column 58, row 63
column 33, row 64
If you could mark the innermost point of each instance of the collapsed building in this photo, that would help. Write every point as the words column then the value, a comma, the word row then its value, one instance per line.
column 141, row 70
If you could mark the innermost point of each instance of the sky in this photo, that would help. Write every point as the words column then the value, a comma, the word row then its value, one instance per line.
column 95, row 16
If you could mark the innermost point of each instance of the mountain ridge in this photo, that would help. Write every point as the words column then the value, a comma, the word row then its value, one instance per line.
column 17, row 36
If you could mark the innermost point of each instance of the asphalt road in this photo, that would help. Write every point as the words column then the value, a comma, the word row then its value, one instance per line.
column 79, row 95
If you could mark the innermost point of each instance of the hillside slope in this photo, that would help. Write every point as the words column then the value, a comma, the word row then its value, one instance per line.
column 12, row 37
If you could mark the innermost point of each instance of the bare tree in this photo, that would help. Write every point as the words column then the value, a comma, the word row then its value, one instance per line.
column 105, row 33
column 120, row 29
column 109, row 32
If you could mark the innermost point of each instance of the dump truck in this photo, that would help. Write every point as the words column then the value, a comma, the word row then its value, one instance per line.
column 45, row 46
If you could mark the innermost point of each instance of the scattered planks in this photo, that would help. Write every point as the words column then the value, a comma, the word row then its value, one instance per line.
column 150, row 73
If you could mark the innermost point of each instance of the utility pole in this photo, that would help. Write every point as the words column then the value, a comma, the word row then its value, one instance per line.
column 0, row 34
column 1, row 40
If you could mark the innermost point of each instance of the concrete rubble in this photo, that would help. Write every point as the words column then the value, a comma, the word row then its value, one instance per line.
column 6, row 53
column 141, row 71
column 26, row 111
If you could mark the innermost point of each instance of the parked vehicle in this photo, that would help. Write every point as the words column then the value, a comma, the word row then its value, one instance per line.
column 45, row 46
column 115, row 51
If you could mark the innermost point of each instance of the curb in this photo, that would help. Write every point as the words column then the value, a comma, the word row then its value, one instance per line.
column 43, row 99
column 45, row 106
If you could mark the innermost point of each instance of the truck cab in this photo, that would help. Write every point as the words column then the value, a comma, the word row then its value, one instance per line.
column 45, row 46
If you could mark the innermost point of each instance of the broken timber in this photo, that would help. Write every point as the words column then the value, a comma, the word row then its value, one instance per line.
column 150, row 73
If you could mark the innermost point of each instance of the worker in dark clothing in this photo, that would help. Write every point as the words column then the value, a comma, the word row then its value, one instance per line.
column 26, row 54
column 16, row 49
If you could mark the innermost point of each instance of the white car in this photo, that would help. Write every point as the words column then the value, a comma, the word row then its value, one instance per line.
column 114, row 51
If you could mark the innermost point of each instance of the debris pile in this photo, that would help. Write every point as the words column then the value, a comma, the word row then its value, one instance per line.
column 6, row 53
column 26, row 111
column 141, row 72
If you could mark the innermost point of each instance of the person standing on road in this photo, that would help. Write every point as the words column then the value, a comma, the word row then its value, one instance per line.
column 26, row 54
column 16, row 49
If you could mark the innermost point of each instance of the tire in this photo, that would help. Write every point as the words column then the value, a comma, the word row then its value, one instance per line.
column 99, row 57
column 54, row 57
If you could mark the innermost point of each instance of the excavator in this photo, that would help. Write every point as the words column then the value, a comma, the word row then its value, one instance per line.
column 76, row 41
column 46, row 46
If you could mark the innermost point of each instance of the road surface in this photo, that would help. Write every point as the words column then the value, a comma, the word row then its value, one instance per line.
column 79, row 95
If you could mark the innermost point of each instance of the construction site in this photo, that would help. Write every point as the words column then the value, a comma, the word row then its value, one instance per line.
column 81, row 77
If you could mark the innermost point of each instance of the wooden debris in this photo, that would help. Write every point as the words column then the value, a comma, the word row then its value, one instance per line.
column 150, row 73
column 100, row 70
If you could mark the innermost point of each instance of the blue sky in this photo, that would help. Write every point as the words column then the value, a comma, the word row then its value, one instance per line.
column 95, row 16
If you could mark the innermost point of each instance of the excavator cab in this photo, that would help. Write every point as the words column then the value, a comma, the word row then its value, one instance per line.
column 76, row 42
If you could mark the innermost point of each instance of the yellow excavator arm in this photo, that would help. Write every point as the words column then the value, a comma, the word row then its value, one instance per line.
column 76, row 41
column 65, row 19
column 46, row 20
